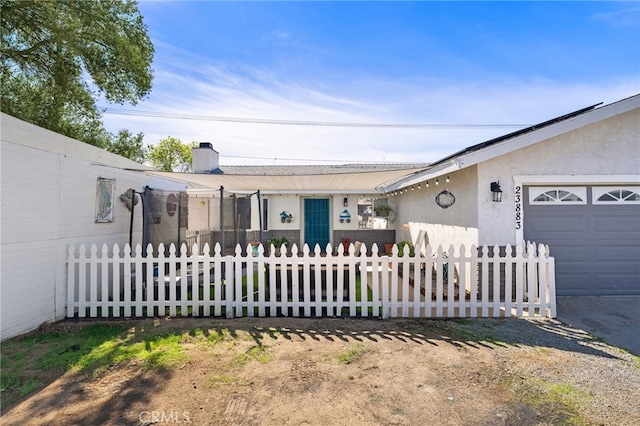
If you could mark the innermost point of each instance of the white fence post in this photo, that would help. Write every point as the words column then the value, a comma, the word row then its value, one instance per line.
column 71, row 281
column 462, row 283
column 508, row 280
column 149, row 288
column 473, row 303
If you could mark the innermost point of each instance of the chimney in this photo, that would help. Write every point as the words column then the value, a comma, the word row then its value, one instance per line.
column 205, row 158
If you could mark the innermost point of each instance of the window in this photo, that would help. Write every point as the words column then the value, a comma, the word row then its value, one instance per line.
column 616, row 195
column 374, row 213
column 558, row 195
column 244, row 213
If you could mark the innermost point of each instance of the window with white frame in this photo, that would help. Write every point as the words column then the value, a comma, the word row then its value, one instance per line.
column 616, row 195
column 558, row 195
column 374, row 213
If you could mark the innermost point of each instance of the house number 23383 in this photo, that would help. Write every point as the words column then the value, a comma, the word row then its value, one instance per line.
column 518, row 206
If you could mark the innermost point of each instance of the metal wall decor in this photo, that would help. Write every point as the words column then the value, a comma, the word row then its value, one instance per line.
column 105, row 196
column 445, row 199
column 172, row 204
column 345, row 216
column 286, row 217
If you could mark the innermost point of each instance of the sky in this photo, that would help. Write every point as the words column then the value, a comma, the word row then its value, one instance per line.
column 348, row 82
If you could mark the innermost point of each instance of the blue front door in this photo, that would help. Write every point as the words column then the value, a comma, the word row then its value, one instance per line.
column 316, row 222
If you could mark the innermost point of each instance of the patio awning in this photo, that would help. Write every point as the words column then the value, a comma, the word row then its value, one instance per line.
column 364, row 182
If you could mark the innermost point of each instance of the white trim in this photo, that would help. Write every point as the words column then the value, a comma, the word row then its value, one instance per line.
column 437, row 171
column 578, row 191
column 599, row 191
column 519, row 181
column 576, row 179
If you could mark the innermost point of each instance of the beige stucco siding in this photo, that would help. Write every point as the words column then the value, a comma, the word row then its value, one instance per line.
column 456, row 225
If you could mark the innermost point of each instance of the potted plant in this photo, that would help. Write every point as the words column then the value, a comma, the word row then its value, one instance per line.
column 254, row 248
column 403, row 245
column 278, row 243
column 383, row 210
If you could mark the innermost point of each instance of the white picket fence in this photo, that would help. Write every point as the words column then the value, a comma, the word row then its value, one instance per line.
column 430, row 284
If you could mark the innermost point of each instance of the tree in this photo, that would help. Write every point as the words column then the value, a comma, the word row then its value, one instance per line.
column 171, row 155
column 128, row 145
column 51, row 48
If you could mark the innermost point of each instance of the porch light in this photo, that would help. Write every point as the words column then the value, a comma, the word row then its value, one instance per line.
column 496, row 192
column 345, row 202
column 447, row 179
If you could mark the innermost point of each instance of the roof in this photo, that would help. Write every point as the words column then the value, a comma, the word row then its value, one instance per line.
column 20, row 132
column 322, row 169
column 513, row 141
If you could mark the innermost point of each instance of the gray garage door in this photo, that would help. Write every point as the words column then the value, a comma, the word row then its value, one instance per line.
column 593, row 232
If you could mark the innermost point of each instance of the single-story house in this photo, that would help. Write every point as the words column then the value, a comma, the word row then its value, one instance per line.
column 572, row 183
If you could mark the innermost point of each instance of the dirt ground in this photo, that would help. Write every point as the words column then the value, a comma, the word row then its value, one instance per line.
column 335, row 372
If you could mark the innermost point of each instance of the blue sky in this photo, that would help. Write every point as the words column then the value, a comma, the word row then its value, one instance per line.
column 501, row 64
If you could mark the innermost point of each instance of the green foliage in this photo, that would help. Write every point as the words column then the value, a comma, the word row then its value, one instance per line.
column 278, row 242
column 258, row 353
column 562, row 402
column 128, row 145
column 31, row 362
column 353, row 354
column 58, row 57
column 401, row 247
column 171, row 155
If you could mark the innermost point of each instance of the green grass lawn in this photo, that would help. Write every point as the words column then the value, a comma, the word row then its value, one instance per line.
column 30, row 362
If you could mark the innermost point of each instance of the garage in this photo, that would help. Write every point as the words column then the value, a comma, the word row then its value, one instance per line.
column 593, row 233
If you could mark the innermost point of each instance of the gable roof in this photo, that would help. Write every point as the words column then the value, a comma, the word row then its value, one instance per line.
column 513, row 141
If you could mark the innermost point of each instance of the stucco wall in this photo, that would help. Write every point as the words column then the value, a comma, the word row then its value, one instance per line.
column 609, row 147
column 280, row 203
column 419, row 205
column 48, row 203
column 457, row 224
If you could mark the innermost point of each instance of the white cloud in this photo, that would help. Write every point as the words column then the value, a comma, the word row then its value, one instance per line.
column 213, row 90
column 621, row 18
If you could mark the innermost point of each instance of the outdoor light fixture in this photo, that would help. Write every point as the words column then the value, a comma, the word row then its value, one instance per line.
column 426, row 185
column 496, row 192
column 437, row 181
column 345, row 202
column 447, row 178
